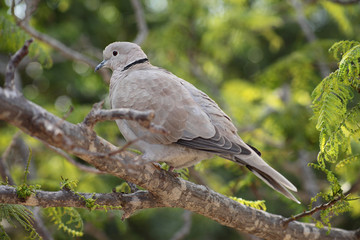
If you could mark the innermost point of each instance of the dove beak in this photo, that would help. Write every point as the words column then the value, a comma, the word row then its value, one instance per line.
column 100, row 65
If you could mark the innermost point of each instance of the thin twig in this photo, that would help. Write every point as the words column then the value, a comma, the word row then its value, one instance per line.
column 123, row 148
column 95, row 232
column 309, row 33
column 140, row 22
column 354, row 187
column 31, row 6
column 312, row 211
column 54, row 43
column 39, row 224
column 142, row 117
column 347, row 2
column 57, row 45
column 73, row 161
column 185, row 229
column 4, row 170
column 14, row 62
column 10, row 84
column 307, row 175
column 99, row 115
column 64, row 117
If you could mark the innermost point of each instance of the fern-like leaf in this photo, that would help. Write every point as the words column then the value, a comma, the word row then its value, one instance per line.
column 330, row 101
column 340, row 48
column 22, row 215
column 67, row 219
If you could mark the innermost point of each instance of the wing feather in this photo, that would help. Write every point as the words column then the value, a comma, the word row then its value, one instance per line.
column 175, row 109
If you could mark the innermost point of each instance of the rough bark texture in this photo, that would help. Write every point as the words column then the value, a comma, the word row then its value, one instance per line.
column 165, row 189
column 64, row 198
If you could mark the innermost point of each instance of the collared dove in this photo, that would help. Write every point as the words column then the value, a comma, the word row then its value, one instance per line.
column 197, row 128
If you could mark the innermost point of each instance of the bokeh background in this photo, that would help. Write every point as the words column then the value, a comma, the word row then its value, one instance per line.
column 259, row 60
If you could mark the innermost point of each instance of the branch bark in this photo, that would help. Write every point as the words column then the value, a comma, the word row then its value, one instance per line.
column 14, row 62
column 164, row 189
column 64, row 198
column 167, row 190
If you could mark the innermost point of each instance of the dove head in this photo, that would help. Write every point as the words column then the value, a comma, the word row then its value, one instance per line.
column 118, row 55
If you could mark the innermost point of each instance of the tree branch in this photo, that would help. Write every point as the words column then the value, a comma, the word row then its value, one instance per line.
column 57, row 45
column 52, row 42
column 165, row 190
column 345, row 2
column 14, row 62
column 168, row 190
column 140, row 22
column 185, row 229
column 142, row 117
column 312, row 211
column 129, row 202
column 73, row 161
column 39, row 225
column 309, row 33
column 4, row 170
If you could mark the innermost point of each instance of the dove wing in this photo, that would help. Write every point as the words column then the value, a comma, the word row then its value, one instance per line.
column 175, row 109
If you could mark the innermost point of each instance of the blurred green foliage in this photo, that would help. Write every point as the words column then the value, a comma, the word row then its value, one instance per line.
column 250, row 56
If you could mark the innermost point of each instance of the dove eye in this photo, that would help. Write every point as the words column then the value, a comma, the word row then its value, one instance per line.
column 115, row 53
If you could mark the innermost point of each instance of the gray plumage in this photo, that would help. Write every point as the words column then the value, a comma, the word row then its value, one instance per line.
column 198, row 129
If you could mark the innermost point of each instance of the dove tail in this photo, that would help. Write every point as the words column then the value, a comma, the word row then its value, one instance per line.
column 272, row 182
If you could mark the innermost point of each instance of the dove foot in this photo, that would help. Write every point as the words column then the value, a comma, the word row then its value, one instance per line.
column 132, row 186
column 172, row 173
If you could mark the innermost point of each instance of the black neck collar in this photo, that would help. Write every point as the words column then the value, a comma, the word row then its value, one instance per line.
column 134, row 63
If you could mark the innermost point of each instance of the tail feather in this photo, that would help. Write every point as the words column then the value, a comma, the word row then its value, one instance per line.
column 274, row 184
column 266, row 173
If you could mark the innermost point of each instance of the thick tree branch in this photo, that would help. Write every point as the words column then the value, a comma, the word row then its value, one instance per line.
column 165, row 189
column 133, row 201
column 168, row 190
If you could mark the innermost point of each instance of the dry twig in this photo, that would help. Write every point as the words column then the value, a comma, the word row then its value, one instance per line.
column 185, row 229
column 312, row 211
column 73, row 161
column 142, row 117
column 14, row 62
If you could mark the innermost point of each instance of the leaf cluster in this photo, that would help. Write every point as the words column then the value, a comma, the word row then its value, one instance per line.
column 21, row 215
column 67, row 219
column 338, row 115
column 12, row 38
column 259, row 204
